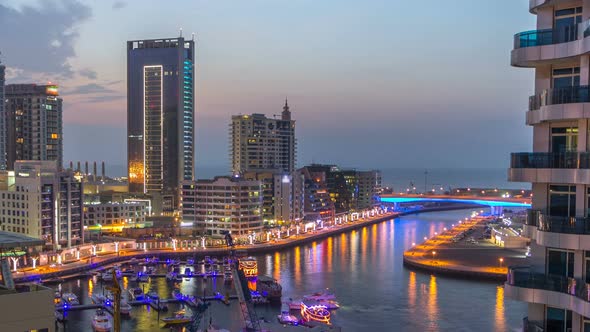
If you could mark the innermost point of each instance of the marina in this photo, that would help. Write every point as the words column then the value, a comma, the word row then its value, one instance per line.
column 411, row 300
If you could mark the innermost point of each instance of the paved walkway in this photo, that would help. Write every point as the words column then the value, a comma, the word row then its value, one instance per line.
column 478, row 258
column 104, row 259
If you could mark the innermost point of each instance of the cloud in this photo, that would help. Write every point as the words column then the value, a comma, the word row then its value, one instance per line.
column 90, row 88
column 88, row 73
column 119, row 4
column 40, row 39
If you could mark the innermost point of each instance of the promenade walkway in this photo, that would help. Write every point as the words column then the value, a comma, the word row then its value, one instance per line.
column 77, row 267
column 479, row 260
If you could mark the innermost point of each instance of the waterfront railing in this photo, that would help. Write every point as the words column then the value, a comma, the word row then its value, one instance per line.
column 558, row 224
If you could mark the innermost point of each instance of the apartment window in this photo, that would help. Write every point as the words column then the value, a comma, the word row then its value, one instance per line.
column 560, row 263
column 566, row 24
column 558, row 320
column 564, row 139
column 562, row 200
column 565, row 77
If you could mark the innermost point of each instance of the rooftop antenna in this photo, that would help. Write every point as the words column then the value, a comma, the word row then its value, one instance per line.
column 193, row 36
column 180, row 32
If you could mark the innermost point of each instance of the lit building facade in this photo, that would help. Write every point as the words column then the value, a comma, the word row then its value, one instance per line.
column 317, row 203
column 33, row 122
column 2, row 120
column 288, row 200
column 369, row 187
column 557, row 283
column 223, row 204
column 261, row 144
column 39, row 200
column 160, row 116
column 115, row 215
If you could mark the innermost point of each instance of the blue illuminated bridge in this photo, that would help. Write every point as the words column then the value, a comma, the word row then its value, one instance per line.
column 496, row 204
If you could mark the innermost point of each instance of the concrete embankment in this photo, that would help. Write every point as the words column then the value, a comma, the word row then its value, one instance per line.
column 471, row 257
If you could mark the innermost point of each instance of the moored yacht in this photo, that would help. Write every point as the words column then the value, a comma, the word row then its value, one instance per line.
column 70, row 298
column 101, row 321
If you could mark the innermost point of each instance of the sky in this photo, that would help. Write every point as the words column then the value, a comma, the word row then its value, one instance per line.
column 371, row 84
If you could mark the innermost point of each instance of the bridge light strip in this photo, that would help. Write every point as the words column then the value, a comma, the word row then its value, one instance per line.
column 452, row 200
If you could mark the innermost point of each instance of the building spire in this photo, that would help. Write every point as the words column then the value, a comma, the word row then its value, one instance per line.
column 286, row 115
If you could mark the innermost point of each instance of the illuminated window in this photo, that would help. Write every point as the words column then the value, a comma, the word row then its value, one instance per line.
column 54, row 136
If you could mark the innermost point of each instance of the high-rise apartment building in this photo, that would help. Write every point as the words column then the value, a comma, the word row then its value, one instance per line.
column 223, row 204
column 160, row 115
column 369, row 186
column 557, row 283
column 40, row 200
column 2, row 121
column 261, row 144
column 33, row 122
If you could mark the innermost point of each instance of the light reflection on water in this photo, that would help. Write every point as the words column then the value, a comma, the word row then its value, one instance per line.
column 364, row 268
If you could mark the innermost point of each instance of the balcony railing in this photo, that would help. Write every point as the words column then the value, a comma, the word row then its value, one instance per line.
column 567, row 95
column 564, row 160
column 558, row 224
column 546, row 36
column 525, row 277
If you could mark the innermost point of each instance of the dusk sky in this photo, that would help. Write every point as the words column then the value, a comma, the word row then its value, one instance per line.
column 371, row 84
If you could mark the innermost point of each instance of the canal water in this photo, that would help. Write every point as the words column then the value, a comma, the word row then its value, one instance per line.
column 364, row 269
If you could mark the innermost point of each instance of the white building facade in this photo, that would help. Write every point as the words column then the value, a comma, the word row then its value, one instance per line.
column 128, row 214
column 38, row 200
column 222, row 204
column 557, row 284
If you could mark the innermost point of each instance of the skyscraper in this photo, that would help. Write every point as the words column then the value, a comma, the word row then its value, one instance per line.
column 556, row 282
column 33, row 123
column 160, row 115
column 2, row 121
column 261, row 144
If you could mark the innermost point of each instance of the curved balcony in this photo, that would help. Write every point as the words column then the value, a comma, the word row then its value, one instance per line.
column 568, row 103
column 525, row 285
column 541, row 46
column 543, row 167
column 558, row 232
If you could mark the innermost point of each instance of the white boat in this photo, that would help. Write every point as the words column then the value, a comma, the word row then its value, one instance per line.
column 152, row 295
column 179, row 317
column 170, row 276
column 70, row 298
column 98, row 298
column 286, row 318
column 107, row 276
column 125, row 308
column 142, row 278
column 320, row 296
column 101, row 321
column 136, row 294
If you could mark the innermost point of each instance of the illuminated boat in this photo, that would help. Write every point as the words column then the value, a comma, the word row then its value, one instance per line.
column 318, row 313
column 180, row 317
column 329, row 304
column 250, row 267
column 70, row 298
column 101, row 322
column 286, row 318
column 269, row 288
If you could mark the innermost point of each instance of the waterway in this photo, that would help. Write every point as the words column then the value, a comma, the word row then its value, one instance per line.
column 364, row 268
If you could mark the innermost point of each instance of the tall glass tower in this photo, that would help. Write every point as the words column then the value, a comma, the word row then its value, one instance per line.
column 2, row 121
column 160, row 116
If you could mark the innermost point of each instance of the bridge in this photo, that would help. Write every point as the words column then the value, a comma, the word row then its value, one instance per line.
column 495, row 203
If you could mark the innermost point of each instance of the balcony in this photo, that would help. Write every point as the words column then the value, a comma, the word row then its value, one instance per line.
column 548, row 167
column 558, row 232
column 537, row 46
column 524, row 284
column 568, row 95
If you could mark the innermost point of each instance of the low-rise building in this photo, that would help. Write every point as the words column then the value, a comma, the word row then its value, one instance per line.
column 27, row 307
column 114, row 216
column 222, row 204
column 369, row 187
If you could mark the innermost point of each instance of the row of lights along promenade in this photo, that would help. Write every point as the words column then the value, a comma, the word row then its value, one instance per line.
column 456, row 252
column 282, row 240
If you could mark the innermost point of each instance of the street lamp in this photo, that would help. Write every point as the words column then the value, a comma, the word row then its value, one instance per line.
column 433, row 254
column 501, row 261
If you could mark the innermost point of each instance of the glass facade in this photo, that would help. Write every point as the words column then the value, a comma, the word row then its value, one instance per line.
column 558, row 320
column 560, row 263
column 160, row 115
